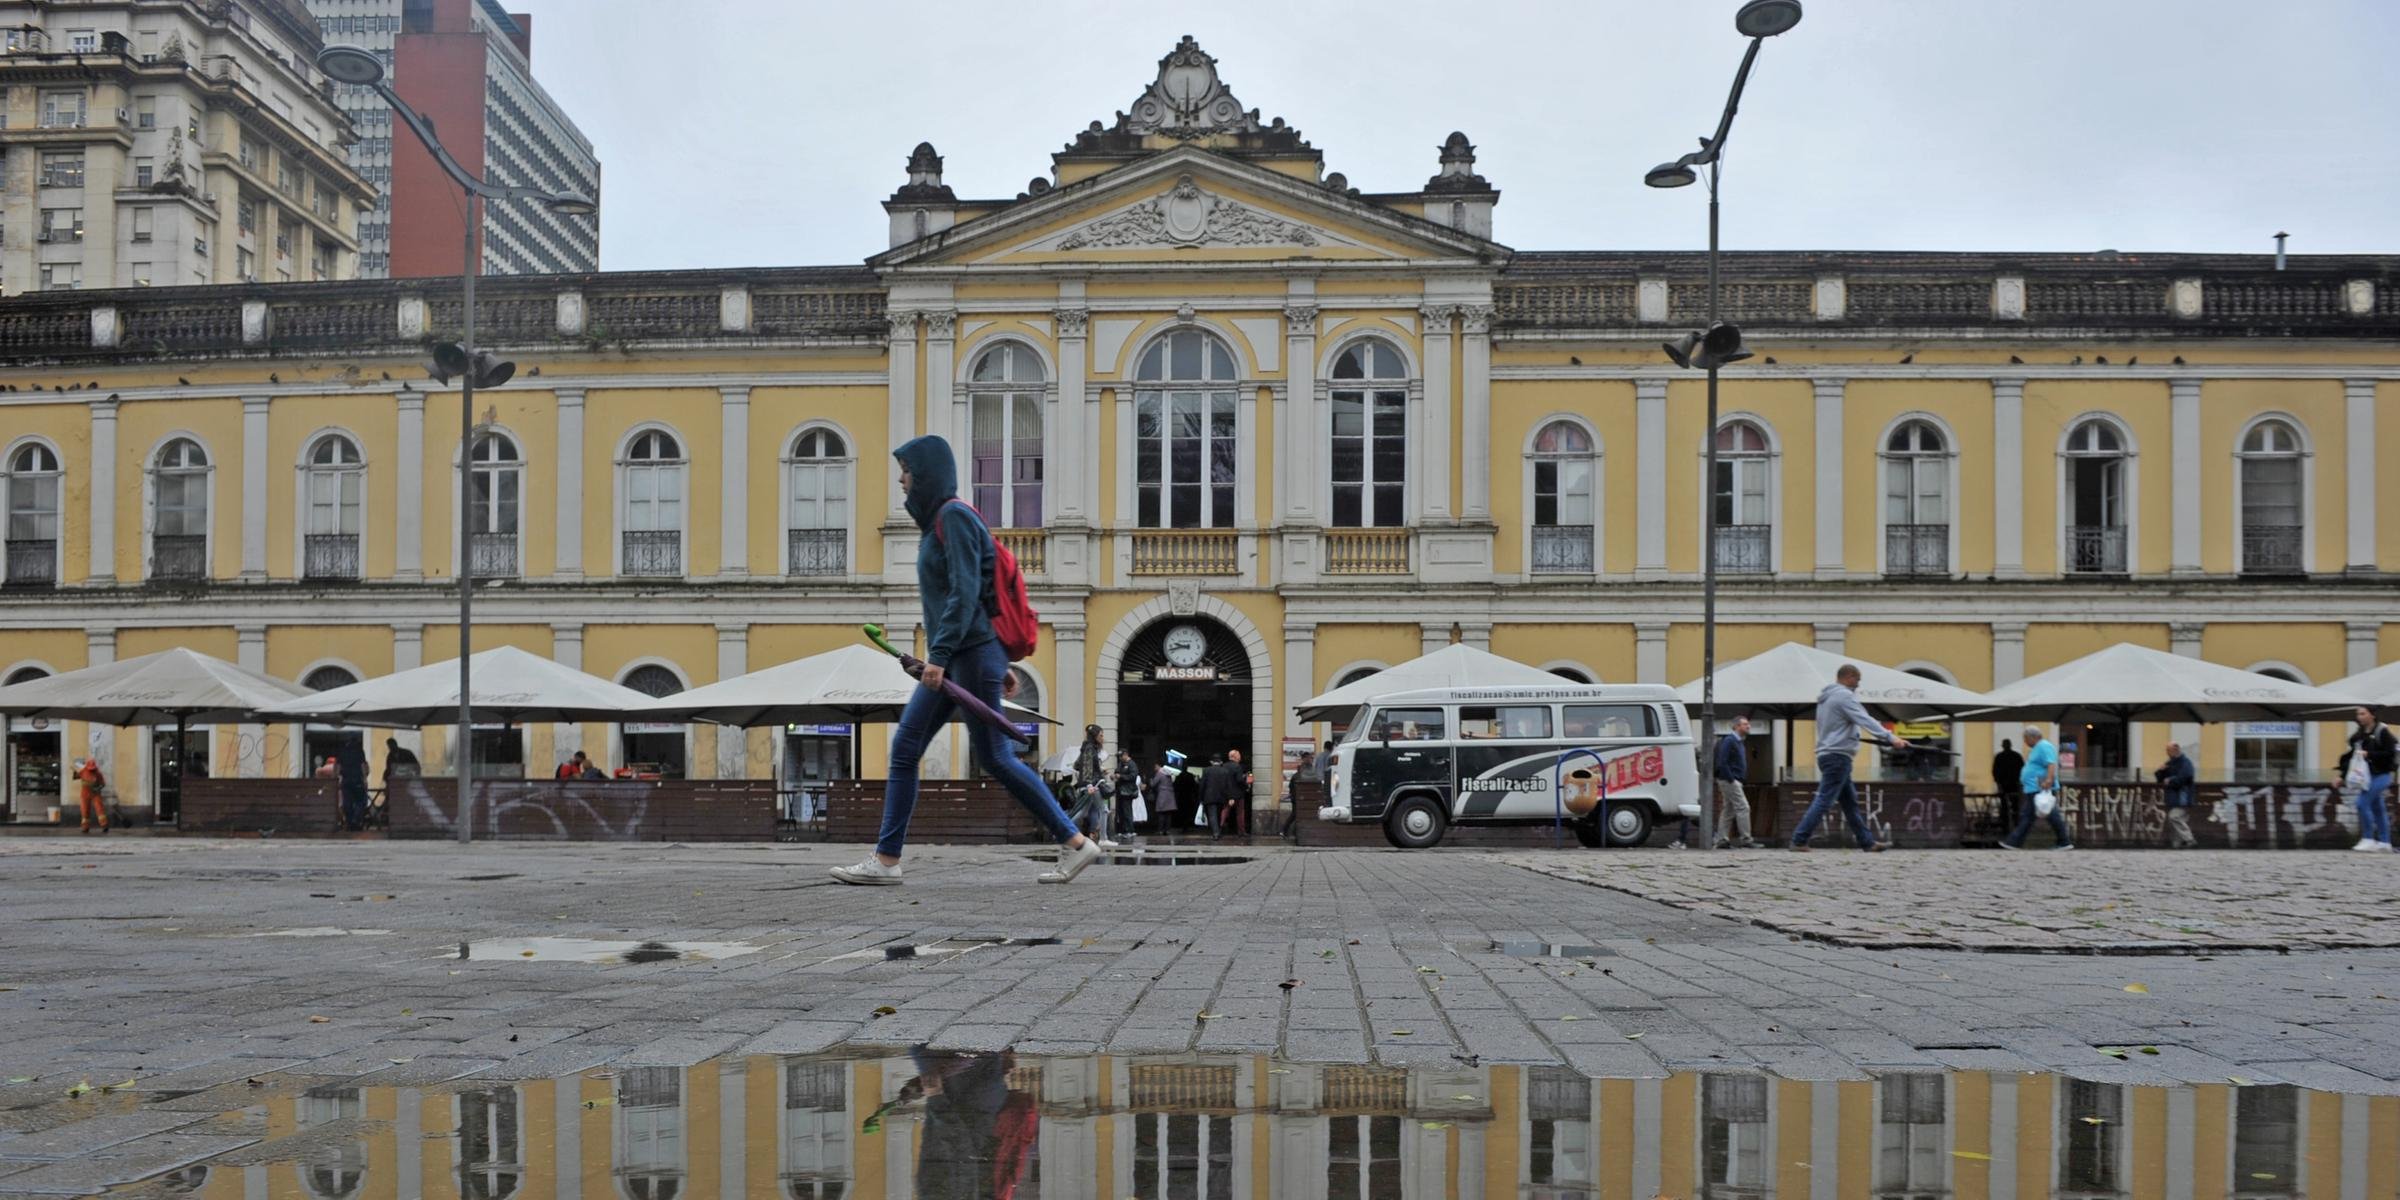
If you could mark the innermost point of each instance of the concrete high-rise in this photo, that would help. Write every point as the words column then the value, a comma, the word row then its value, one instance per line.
column 466, row 65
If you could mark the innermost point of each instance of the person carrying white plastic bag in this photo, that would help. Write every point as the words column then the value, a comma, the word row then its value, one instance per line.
column 2366, row 773
column 2041, row 780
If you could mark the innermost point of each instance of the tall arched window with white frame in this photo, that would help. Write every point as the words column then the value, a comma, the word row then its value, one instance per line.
column 1185, row 458
column 1745, row 525
column 817, row 530
column 333, row 489
column 1916, row 501
column 654, row 749
column 1370, row 436
column 1004, row 412
column 651, row 529
column 2095, row 485
column 2271, row 483
column 495, row 491
column 179, row 534
column 1565, row 504
column 34, row 486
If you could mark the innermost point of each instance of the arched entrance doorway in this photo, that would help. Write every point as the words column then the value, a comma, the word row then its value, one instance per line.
column 1184, row 684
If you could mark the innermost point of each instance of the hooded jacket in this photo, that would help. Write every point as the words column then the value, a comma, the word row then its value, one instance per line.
column 954, row 558
column 1841, row 719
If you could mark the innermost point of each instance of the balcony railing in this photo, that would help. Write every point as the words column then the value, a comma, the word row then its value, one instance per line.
column 178, row 556
column 1916, row 549
column 1186, row 552
column 2271, row 550
column 653, row 552
column 1745, row 549
column 329, row 556
column 493, row 555
column 1366, row 551
column 32, row 562
column 1562, row 549
column 1031, row 546
column 817, row 551
column 2095, row 549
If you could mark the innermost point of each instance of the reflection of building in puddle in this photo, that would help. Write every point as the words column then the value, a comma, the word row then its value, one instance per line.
column 651, row 1123
column 491, row 1141
column 815, row 1162
column 335, row 1172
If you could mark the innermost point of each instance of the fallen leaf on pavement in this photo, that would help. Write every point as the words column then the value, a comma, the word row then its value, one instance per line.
column 1971, row 1155
column 2238, row 1081
column 2138, row 989
column 1426, row 970
column 1633, row 1037
column 2095, row 1120
column 1279, row 1070
column 80, row 1088
column 885, row 1010
column 1288, row 984
column 1570, row 1017
column 2112, row 1051
column 320, row 1020
column 2149, row 1049
column 1404, row 1033
column 116, row 1087
column 20, row 1079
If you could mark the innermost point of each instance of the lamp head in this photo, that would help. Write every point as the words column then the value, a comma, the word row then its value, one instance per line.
column 1671, row 175
column 573, row 204
column 449, row 360
column 1766, row 18
column 351, row 65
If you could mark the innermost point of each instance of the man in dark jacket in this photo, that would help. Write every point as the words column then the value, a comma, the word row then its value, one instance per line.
column 1731, row 767
column 1218, row 787
column 350, row 764
column 2176, row 776
column 954, row 585
column 2007, row 768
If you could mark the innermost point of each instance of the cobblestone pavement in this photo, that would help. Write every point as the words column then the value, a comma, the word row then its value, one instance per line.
column 187, row 964
column 2084, row 902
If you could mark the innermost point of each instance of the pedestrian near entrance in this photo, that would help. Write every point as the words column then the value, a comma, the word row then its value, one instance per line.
column 1094, row 794
column 1841, row 722
column 955, row 557
column 1162, row 793
column 1218, row 791
column 1732, row 764
column 94, row 794
column 2175, row 775
column 2366, row 772
column 1126, row 781
column 2008, row 768
column 2040, row 775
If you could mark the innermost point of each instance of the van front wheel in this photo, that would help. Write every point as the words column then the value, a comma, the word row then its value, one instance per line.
column 1629, row 824
column 1415, row 823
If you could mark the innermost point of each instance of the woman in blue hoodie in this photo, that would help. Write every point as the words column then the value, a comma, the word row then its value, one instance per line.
column 954, row 582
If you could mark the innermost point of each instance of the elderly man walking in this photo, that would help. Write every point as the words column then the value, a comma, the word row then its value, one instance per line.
column 2176, row 776
column 1731, row 764
column 1841, row 721
column 2041, row 775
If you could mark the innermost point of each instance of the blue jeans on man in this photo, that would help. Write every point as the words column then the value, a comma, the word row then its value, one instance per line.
column 2058, row 825
column 1833, row 784
column 981, row 670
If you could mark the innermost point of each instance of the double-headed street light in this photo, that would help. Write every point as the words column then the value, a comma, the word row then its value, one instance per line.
column 362, row 68
column 1710, row 348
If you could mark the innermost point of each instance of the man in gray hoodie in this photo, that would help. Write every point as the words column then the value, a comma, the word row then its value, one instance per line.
column 1841, row 720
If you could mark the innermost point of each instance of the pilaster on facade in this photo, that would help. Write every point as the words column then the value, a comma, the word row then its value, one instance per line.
column 2359, row 472
column 900, row 409
column 2183, row 452
column 945, row 405
column 102, row 570
column 408, row 462
column 566, row 649
column 1830, row 447
column 1069, row 697
column 1298, row 487
column 2361, row 646
column 569, row 508
column 1433, row 635
column 1299, row 673
column 1832, row 637
column 1650, row 651
column 733, row 507
column 2008, row 478
column 250, row 653
column 254, row 489
column 2184, row 638
column 1650, row 479
column 1075, row 437
column 99, row 650
column 1432, row 466
column 1475, row 363
column 1475, row 634
column 733, row 659
column 2008, row 652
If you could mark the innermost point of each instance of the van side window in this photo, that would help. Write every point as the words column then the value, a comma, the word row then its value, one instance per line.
column 1611, row 721
column 1529, row 721
column 1412, row 724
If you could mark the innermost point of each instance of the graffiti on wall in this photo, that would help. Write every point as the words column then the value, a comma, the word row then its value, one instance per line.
column 2233, row 815
column 580, row 810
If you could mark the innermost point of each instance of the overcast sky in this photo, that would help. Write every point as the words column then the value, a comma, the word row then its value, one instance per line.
column 766, row 132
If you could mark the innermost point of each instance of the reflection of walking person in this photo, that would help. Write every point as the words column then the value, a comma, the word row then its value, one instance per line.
column 2040, row 775
column 2366, row 773
column 955, row 560
column 979, row 1134
column 2175, row 775
column 1841, row 720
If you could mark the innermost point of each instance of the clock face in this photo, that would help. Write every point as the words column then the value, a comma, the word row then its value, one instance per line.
column 1186, row 645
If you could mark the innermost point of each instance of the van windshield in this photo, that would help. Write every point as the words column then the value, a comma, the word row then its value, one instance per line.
column 1359, row 721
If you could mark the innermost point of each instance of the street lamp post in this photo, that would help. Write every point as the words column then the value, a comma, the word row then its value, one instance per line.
column 1719, row 343
column 362, row 68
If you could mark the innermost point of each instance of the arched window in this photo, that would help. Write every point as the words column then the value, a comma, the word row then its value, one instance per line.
column 1185, row 461
column 1562, row 466
column 652, row 526
column 1354, row 675
column 332, row 491
column 1004, row 401
column 491, row 1153
column 179, row 535
column 335, row 1175
column 817, row 536
column 651, row 1151
column 2270, row 462
column 2095, row 485
column 33, row 516
column 655, row 749
column 495, row 488
column 1916, row 500
column 320, row 742
column 1370, row 436
column 1571, row 674
column 1745, row 522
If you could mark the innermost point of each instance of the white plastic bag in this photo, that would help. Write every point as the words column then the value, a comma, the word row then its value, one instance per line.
column 2045, row 802
column 1141, row 809
column 2355, row 780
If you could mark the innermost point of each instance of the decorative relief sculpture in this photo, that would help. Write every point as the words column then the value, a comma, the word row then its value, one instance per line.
column 1183, row 597
column 1189, row 216
column 1300, row 320
column 1071, row 321
column 1188, row 99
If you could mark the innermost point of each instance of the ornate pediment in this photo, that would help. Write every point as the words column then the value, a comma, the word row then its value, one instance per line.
column 1188, row 215
column 1187, row 99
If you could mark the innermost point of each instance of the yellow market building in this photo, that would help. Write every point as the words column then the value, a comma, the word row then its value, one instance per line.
column 1202, row 383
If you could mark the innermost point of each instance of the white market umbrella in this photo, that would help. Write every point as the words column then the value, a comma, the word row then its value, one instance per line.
column 1451, row 666
column 511, row 687
column 2378, row 687
column 171, row 687
column 2126, row 683
column 1786, row 681
column 848, row 685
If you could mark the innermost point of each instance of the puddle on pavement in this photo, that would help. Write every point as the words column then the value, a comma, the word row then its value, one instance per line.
column 595, row 950
column 1154, row 858
column 946, row 947
column 933, row 1125
column 318, row 931
column 1551, row 950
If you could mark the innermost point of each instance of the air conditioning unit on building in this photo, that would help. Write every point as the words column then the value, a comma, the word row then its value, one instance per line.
column 41, row 235
column 124, row 116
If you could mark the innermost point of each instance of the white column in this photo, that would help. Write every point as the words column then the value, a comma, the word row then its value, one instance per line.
column 1071, row 689
column 408, row 487
column 1830, row 564
column 2358, row 436
column 254, row 489
column 900, row 410
column 566, row 649
column 103, row 567
column 2183, row 638
column 1298, row 459
column 99, row 650
column 1476, row 634
column 1245, row 434
column 2359, row 646
column 1833, row 637
column 1126, row 516
column 250, row 653
column 733, row 1128
column 733, row 512
column 2008, row 479
column 408, row 653
column 1650, row 482
column 1299, row 673
column 1432, row 636
column 733, row 658
column 945, row 414
column 570, row 485
column 1650, row 651
column 1072, row 441
column 2183, row 472
column 1432, row 467
column 1475, row 432
column 2008, row 652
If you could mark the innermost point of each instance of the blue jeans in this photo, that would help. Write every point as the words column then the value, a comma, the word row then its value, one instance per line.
column 981, row 671
column 2374, row 820
column 2058, row 824
column 1833, row 783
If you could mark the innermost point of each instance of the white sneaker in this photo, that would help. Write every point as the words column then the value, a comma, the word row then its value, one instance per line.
column 2364, row 844
column 1106, row 844
column 1071, row 862
column 871, row 873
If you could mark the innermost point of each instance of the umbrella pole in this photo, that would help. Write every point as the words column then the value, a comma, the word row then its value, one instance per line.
column 181, row 773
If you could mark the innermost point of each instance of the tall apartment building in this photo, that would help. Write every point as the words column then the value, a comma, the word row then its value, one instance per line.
column 157, row 142
column 467, row 64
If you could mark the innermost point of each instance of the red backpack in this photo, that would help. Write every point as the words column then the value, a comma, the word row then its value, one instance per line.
column 1014, row 620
